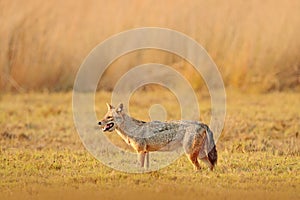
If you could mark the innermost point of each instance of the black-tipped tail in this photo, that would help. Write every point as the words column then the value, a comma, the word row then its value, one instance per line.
column 213, row 156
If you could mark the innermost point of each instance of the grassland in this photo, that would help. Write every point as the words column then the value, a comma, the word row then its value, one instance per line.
column 41, row 155
column 253, row 43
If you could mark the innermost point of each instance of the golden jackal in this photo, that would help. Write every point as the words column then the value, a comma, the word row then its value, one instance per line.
column 195, row 137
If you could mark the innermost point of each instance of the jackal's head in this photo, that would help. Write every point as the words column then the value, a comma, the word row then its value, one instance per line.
column 108, row 123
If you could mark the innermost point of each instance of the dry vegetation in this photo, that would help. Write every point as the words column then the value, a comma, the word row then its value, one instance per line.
column 42, row 156
column 255, row 44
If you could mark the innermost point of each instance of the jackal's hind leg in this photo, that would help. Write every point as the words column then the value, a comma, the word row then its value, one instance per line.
column 193, row 158
column 206, row 161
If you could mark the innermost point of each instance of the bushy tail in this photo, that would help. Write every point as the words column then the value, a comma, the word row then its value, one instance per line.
column 212, row 154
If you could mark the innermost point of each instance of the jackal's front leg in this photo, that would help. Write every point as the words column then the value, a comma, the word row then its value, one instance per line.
column 142, row 158
column 147, row 161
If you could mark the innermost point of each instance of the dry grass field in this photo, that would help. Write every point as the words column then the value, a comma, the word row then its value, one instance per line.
column 255, row 45
column 42, row 156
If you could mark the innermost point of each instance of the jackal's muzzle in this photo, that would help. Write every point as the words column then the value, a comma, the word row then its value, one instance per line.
column 108, row 126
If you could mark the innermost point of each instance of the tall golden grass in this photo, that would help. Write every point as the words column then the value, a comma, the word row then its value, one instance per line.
column 254, row 43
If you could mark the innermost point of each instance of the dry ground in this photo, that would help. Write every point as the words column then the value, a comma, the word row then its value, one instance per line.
column 42, row 156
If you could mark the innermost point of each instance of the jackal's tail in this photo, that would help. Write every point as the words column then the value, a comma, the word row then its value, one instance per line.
column 213, row 156
column 211, row 147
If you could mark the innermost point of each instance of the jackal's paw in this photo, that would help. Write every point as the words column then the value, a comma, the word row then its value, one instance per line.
column 196, row 170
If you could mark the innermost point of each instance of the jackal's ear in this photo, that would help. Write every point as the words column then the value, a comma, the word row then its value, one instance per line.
column 120, row 108
column 109, row 107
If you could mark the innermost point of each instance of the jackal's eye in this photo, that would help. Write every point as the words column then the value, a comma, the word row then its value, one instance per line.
column 109, row 117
